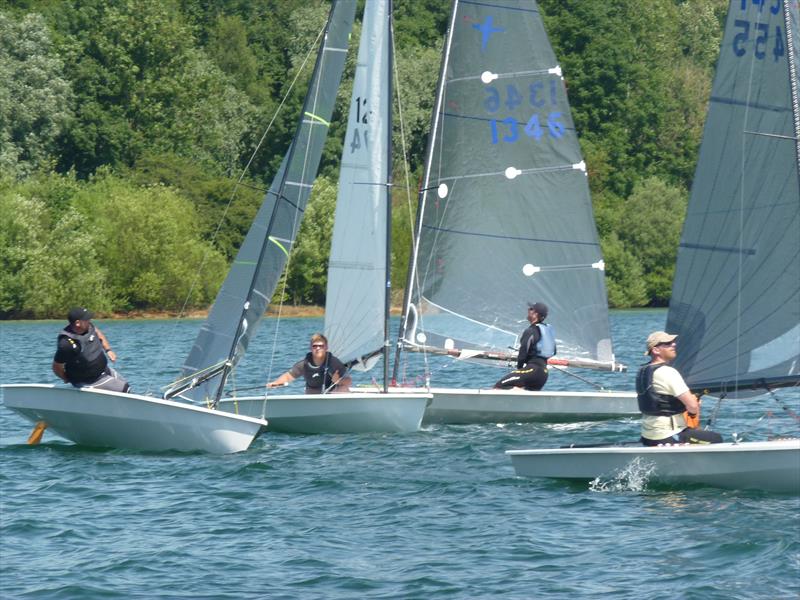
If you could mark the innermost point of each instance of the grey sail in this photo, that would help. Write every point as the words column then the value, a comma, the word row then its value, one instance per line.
column 505, row 214
column 355, row 298
column 254, row 274
column 736, row 295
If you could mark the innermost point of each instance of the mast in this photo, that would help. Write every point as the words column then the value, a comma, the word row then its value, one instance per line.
column 423, row 193
column 388, row 294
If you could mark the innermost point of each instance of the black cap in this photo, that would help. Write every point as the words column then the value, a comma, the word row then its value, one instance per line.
column 79, row 314
column 540, row 308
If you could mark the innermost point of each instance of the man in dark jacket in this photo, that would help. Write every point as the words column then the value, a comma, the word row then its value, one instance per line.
column 82, row 355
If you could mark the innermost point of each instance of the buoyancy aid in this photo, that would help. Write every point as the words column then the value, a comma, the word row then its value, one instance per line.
column 318, row 377
column 91, row 361
column 546, row 346
column 650, row 401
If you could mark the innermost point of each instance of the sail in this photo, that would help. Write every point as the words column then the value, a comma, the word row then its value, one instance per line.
column 505, row 215
column 736, row 295
column 247, row 290
column 355, row 297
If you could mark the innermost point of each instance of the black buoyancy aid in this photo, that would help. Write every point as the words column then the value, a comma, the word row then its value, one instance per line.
column 650, row 401
column 318, row 377
column 91, row 362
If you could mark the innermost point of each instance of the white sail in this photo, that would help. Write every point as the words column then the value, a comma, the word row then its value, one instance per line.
column 357, row 277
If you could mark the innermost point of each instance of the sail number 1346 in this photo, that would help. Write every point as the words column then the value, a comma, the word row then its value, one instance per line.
column 538, row 125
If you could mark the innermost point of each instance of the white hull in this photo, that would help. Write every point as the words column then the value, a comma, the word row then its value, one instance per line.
column 334, row 413
column 113, row 420
column 464, row 406
column 771, row 466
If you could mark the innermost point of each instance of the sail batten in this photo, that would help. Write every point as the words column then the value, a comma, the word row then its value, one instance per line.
column 736, row 296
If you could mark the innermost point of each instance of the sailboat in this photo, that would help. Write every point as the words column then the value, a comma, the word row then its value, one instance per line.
column 736, row 296
column 188, row 417
column 357, row 306
column 505, row 218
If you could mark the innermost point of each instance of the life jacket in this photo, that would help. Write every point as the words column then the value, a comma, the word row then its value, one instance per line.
column 318, row 377
column 546, row 346
column 91, row 361
column 650, row 401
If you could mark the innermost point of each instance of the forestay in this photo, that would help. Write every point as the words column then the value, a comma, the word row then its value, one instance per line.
column 247, row 290
column 736, row 296
column 357, row 277
column 505, row 215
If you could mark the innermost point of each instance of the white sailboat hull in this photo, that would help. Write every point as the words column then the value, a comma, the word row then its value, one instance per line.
column 770, row 466
column 474, row 406
column 335, row 413
column 107, row 419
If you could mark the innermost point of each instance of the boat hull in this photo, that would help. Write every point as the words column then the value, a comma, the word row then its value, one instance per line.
column 770, row 466
column 335, row 413
column 104, row 419
column 475, row 406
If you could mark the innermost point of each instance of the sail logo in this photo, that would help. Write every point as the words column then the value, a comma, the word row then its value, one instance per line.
column 486, row 29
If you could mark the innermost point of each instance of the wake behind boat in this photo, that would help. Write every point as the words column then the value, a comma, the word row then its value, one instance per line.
column 505, row 218
column 771, row 466
column 736, row 296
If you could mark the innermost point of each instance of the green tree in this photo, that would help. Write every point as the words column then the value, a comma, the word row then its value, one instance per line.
column 143, row 84
column 50, row 260
column 35, row 97
column 649, row 228
column 148, row 239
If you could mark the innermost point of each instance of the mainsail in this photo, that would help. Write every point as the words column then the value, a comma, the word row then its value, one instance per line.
column 505, row 215
column 736, row 295
column 357, row 271
column 247, row 290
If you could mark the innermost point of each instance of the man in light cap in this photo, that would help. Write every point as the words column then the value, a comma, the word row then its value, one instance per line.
column 664, row 397
column 536, row 344
column 80, row 358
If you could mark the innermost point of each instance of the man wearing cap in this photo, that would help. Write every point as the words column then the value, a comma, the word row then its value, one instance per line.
column 536, row 345
column 80, row 358
column 664, row 397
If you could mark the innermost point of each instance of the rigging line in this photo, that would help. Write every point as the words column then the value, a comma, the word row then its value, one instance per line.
column 564, row 370
column 269, row 368
column 784, row 406
column 195, row 282
column 406, row 170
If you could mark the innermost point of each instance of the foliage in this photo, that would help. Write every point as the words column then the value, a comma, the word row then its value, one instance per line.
column 50, row 260
column 35, row 97
column 649, row 228
column 171, row 268
column 307, row 274
column 171, row 100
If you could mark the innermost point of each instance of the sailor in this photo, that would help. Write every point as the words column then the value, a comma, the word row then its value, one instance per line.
column 536, row 345
column 82, row 355
column 322, row 371
column 664, row 397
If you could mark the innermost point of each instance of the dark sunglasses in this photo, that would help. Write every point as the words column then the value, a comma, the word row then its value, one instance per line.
column 672, row 343
column 317, row 345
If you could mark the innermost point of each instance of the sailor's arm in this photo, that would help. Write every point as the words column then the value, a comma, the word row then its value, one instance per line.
column 690, row 401
column 60, row 370
column 106, row 346
column 284, row 379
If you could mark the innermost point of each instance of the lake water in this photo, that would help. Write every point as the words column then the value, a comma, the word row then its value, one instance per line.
column 434, row 514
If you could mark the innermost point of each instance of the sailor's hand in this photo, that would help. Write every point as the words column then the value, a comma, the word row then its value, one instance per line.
column 112, row 355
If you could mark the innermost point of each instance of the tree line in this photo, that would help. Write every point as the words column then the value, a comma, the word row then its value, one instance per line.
column 125, row 125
